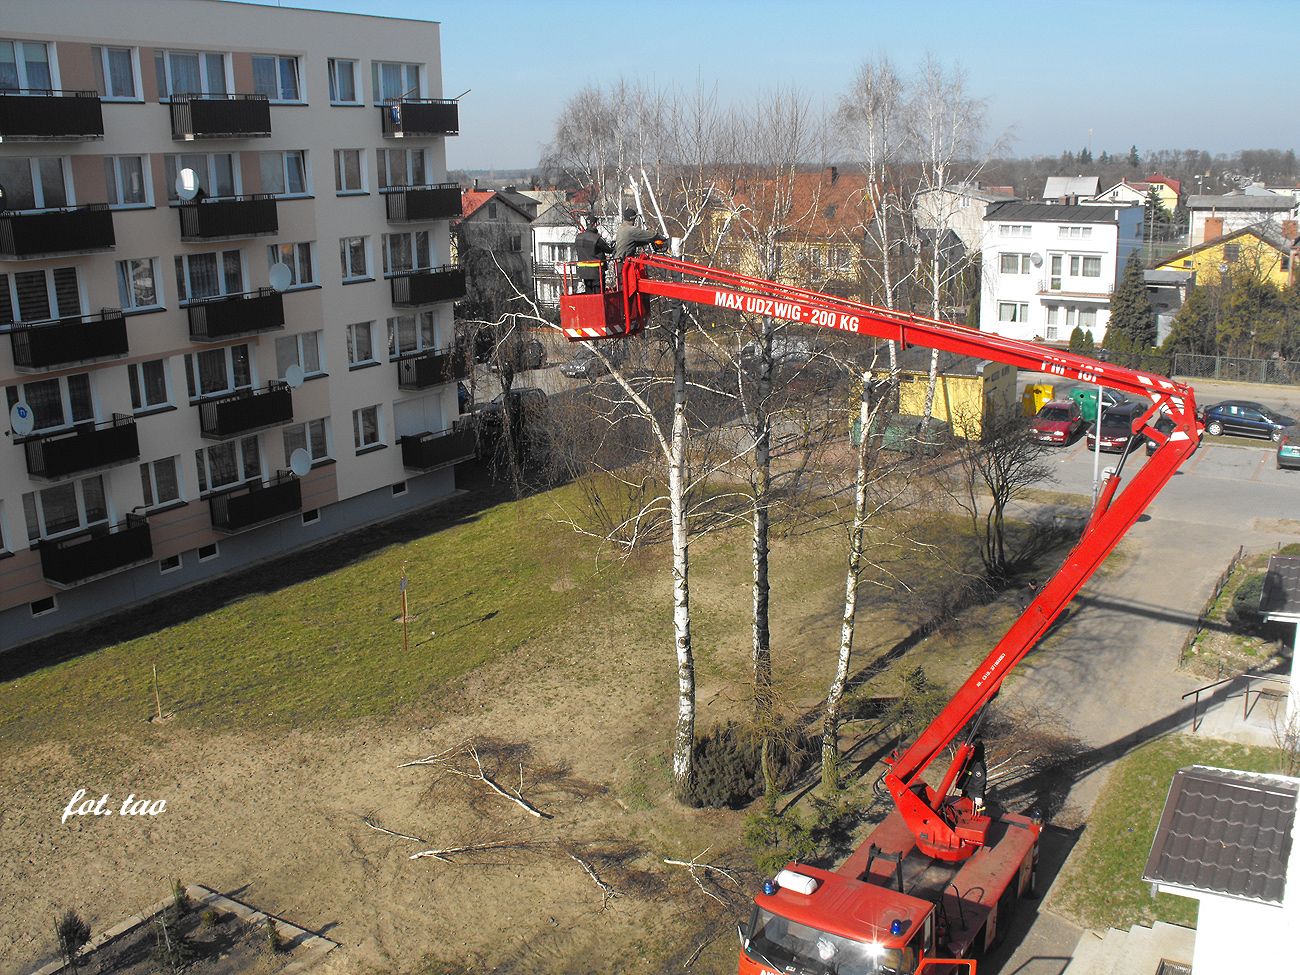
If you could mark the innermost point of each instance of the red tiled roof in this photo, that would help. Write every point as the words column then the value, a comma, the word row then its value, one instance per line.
column 471, row 200
column 819, row 207
column 1173, row 184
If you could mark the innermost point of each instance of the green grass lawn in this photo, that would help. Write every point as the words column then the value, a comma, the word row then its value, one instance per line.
column 1102, row 885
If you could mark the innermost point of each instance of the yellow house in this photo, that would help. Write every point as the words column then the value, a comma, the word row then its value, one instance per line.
column 1257, row 251
column 967, row 388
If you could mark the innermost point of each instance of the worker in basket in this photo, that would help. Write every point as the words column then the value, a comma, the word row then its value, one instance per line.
column 630, row 236
column 591, row 249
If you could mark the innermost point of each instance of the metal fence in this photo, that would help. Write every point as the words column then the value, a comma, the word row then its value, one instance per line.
column 1278, row 371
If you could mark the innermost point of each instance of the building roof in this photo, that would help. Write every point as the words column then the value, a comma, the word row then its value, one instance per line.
column 521, row 201
column 1162, row 276
column 1265, row 230
column 1241, row 201
column 556, row 215
column 1174, row 184
column 1281, row 595
column 824, row 204
column 916, row 361
column 986, row 194
column 1053, row 213
column 1225, row 832
column 471, row 201
column 1058, row 186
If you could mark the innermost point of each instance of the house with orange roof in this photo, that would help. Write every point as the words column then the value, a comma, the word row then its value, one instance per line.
column 492, row 241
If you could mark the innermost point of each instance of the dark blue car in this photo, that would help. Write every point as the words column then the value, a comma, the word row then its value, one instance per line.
column 1245, row 419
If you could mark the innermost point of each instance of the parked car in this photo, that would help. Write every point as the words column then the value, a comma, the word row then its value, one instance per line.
column 523, row 353
column 1116, row 429
column 1058, row 422
column 1288, row 448
column 1085, row 397
column 528, row 406
column 586, row 364
column 1164, row 425
column 1245, row 419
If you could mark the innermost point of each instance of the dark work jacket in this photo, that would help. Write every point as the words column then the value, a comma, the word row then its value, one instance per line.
column 629, row 238
column 590, row 246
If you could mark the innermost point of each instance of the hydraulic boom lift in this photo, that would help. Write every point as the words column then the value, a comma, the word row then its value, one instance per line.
column 937, row 880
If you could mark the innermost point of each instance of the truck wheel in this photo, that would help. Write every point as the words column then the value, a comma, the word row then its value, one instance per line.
column 1214, row 428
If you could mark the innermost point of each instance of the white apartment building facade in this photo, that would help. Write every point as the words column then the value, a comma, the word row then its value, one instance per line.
column 171, row 389
column 1050, row 267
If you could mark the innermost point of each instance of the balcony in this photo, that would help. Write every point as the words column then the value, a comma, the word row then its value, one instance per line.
column 423, row 287
column 429, row 451
column 220, row 117
column 229, row 217
column 245, row 411
column 87, row 447
column 256, row 503
column 96, row 552
column 225, row 316
column 432, row 367
column 47, row 233
column 48, row 114
column 419, row 117
column 437, row 201
column 61, row 341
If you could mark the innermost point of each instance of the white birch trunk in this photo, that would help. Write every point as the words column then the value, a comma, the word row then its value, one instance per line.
column 684, row 737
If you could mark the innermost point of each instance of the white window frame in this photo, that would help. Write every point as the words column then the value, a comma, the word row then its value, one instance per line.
column 333, row 68
column 172, row 165
column 1021, row 262
column 20, row 63
column 1050, row 333
column 177, row 562
column 285, row 193
column 278, row 59
column 107, row 75
column 1019, row 312
column 306, row 431
column 10, row 281
column 193, row 382
column 1079, row 265
column 383, row 157
column 390, row 270
column 340, row 171
column 349, row 272
column 79, row 494
column 205, row 81
column 39, row 202
column 358, row 428
column 65, row 400
column 149, row 483
column 243, row 476
column 304, row 269
column 408, row 90
column 1074, row 231
column 222, row 284
column 213, row 550
column 126, row 296
column 139, row 389
column 114, row 185
column 1015, row 230
column 301, row 342
column 354, row 359
column 423, row 326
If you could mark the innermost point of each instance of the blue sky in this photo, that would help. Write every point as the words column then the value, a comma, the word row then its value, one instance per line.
column 1159, row 76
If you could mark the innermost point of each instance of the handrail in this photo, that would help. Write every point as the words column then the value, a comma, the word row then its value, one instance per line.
column 60, row 92
column 1196, row 704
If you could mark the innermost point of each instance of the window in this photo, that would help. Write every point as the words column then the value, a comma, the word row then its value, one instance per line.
column 1057, row 263
column 492, row 211
column 517, row 246
column 1086, row 267
column 285, row 173
column 215, row 371
column 169, row 564
column 312, row 436
column 1087, row 318
column 218, row 172
column 148, row 385
column 35, row 182
column 361, row 349
column 1014, row 263
column 392, row 80
column 190, row 73
column 406, row 252
column 1013, row 311
column 1053, row 314
column 399, row 489
column 115, row 73
column 43, row 607
column 1231, row 252
column 1014, row 229
column 137, row 283
column 401, row 167
column 63, row 508
column 207, row 553
column 56, row 403
column 365, row 428
column 349, row 173
column 276, row 77
column 311, row 517
column 352, row 258
column 25, row 64
column 127, row 182
column 299, row 259
column 1075, row 233
column 343, row 82
column 410, row 333
column 37, row 296
column 227, row 464
column 160, row 482
column 209, row 274
column 300, row 350
column 1051, row 333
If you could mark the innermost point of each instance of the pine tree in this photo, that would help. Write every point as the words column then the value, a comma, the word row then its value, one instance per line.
column 1076, row 340
column 1131, row 314
column 1134, row 159
column 1085, row 156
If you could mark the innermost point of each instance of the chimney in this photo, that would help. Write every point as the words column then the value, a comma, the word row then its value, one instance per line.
column 1289, row 230
column 475, row 184
column 835, row 174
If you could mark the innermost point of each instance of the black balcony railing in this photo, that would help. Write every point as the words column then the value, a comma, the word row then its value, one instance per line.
column 228, row 217
column 425, row 451
column 80, row 338
column 256, row 503
column 403, row 117
column 70, row 230
column 220, row 317
column 423, row 287
column 210, row 116
column 96, row 552
column 432, row 367
column 37, row 114
column 244, row 411
column 438, row 201
column 82, row 448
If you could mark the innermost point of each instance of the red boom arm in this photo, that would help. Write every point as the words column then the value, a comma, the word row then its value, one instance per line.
column 947, row 827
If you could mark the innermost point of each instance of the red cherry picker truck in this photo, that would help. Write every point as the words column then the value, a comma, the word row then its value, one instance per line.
column 934, row 885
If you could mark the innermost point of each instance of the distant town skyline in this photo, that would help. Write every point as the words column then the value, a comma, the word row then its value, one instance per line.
column 1052, row 78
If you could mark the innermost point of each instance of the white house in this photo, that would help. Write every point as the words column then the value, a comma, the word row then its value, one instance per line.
column 1122, row 193
column 1212, row 217
column 554, row 232
column 1049, row 267
column 959, row 207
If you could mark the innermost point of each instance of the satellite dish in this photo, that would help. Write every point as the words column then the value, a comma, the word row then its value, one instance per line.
column 281, row 277
column 21, row 419
column 300, row 462
column 187, row 184
column 1036, row 259
column 294, row 376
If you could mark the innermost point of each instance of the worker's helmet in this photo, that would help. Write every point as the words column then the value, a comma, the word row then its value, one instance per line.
column 629, row 213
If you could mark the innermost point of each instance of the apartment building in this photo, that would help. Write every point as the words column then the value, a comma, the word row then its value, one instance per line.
column 176, row 408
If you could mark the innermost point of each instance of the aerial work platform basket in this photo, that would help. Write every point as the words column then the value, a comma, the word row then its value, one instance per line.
column 603, row 313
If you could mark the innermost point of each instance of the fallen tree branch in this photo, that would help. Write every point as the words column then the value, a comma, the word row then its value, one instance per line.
column 444, row 854
column 607, row 892
column 479, row 773
column 380, row 829
column 695, row 864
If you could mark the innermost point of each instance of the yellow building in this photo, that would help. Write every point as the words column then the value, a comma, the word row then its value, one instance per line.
column 967, row 390
column 1258, row 251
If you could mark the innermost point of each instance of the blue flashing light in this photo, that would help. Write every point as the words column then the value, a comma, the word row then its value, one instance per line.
column 770, row 887
column 896, row 927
